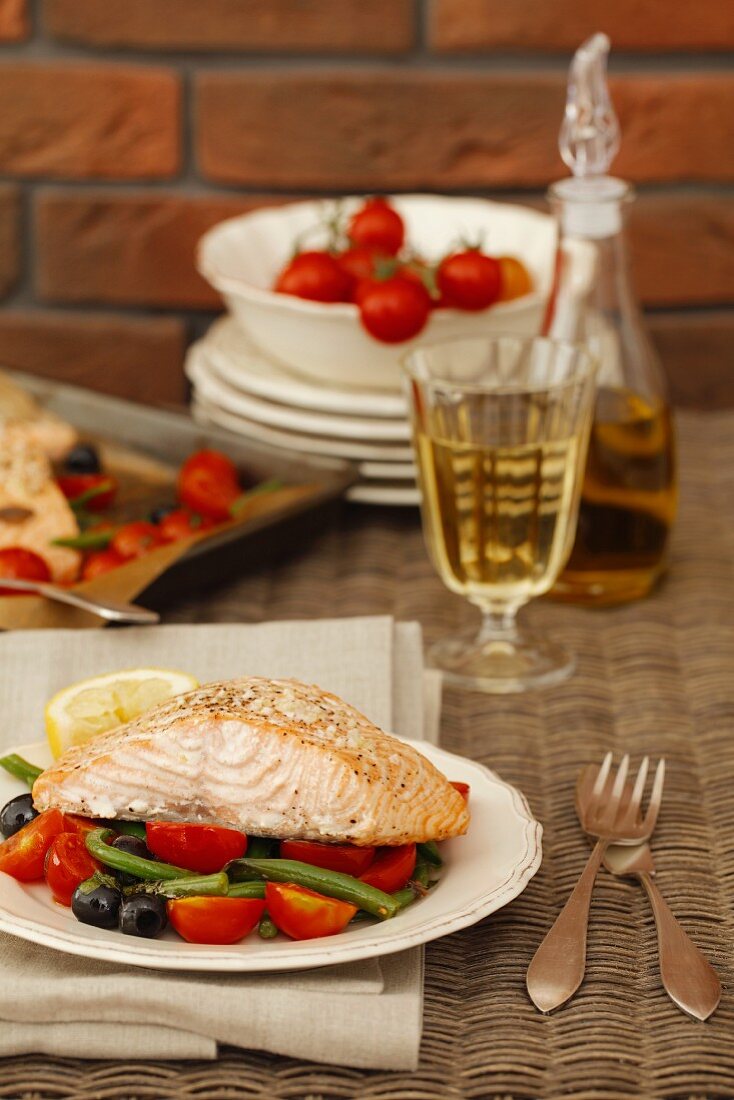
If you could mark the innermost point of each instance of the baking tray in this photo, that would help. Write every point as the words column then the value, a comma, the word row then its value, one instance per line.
column 168, row 436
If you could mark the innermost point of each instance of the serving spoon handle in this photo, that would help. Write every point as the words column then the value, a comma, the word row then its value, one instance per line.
column 112, row 611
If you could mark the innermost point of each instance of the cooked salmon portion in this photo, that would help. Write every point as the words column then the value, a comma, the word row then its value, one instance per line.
column 269, row 757
column 33, row 510
column 21, row 413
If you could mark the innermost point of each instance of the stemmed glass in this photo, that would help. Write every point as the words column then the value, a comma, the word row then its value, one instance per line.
column 500, row 431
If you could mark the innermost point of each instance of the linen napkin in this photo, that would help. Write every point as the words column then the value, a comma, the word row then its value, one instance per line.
column 365, row 1014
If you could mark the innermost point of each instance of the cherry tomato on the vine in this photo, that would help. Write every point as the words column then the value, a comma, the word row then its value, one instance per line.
column 394, row 310
column 19, row 564
column 317, row 276
column 377, row 225
column 469, row 280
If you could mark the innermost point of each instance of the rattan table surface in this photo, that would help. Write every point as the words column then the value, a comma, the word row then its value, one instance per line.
column 657, row 677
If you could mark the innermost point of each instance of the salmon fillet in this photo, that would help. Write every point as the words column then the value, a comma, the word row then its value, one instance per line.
column 33, row 510
column 269, row 757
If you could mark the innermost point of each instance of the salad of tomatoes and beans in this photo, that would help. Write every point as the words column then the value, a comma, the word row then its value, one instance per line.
column 212, row 885
column 370, row 262
column 208, row 493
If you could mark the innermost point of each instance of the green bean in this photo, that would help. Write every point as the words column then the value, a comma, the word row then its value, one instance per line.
column 244, row 499
column 429, row 851
column 331, row 883
column 403, row 898
column 266, row 930
column 91, row 494
column 20, row 768
column 87, row 540
column 127, row 828
column 97, row 845
column 261, row 847
column 246, row 889
column 421, row 874
column 194, row 887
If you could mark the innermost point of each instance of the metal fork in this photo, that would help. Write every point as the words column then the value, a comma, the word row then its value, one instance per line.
column 558, row 966
column 688, row 978
column 113, row 611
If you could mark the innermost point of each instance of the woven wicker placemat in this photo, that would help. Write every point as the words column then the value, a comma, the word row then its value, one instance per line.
column 657, row 677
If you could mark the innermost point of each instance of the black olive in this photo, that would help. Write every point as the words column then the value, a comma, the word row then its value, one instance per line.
column 96, row 905
column 17, row 813
column 157, row 515
column 143, row 915
column 135, row 846
column 83, row 459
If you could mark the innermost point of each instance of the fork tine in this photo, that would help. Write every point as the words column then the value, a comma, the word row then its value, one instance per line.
column 656, row 797
column 633, row 808
column 602, row 776
column 612, row 806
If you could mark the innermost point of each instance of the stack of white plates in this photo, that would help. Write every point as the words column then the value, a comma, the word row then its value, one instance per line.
column 235, row 386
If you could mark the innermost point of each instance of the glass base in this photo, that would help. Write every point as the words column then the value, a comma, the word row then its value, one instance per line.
column 501, row 665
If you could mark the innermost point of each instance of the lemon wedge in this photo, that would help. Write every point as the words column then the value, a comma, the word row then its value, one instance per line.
column 84, row 710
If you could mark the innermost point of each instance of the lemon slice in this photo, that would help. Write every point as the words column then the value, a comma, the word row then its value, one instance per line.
column 84, row 710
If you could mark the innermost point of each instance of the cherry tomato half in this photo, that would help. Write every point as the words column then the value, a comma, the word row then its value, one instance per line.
column 23, row 854
column 202, row 848
column 102, row 489
column 462, row 788
column 73, row 823
column 317, row 276
column 19, row 564
column 514, row 279
column 67, row 864
column 214, row 920
column 469, row 280
column 392, row 868
column 182, row 524
column 303, row 914
column 208, row 484
column 394, row 310
column 346, row 858
column 101, row 561
column 136, row 539
column 377, row 225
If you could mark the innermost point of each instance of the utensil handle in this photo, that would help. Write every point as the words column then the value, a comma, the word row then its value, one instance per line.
column 689, row 979
column 558, row 965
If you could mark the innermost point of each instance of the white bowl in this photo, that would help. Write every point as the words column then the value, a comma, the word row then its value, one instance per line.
column 242, row 256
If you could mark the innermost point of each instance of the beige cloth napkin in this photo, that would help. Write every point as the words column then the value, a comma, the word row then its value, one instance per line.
column 366, row 1014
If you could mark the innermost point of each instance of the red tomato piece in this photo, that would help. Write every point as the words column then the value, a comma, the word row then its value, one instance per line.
column 462, row 788
column 359, row 264
column 303, row 914
column 182, row 524
column 67, row 864
column 515, row 279
column 214, row 920
column 346, row 858
column 73, row 823
column 19, row 564
column 469, row 280
column 394, row 310
column 377, row 225
column 22, row 855
column 136, row 539
column 202, row 848
column 99, row 562
column 102, row 489
column 208, row 484
column 317, row 276
column 392, row 868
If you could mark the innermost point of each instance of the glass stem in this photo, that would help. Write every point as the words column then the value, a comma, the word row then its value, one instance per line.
column 498, row 623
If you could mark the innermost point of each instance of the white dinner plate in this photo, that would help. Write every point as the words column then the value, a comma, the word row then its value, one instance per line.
column 383, row 492
column 483, row 871
column 205, row 409
column 208, row 383
column 237, row 360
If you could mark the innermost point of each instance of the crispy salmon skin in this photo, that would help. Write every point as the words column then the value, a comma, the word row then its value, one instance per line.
column 269, row 757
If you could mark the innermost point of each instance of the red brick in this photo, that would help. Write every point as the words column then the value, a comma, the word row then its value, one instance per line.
column 139, row 249
column 387, row 129
column 126, row 249
column 9, row 238
column 696, row 352
column 88, row 121
column 475, row 25
column 138, row 358
column 298, row 26
column 13, row 20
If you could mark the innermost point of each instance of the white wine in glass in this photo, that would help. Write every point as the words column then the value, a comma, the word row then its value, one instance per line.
column 500, row 430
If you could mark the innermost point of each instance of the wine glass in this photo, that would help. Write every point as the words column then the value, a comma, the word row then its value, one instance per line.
column 500, row 431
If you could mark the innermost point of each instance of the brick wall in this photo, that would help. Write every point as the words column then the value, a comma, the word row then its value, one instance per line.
column 127, row 129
